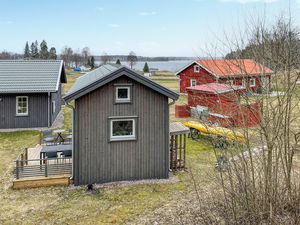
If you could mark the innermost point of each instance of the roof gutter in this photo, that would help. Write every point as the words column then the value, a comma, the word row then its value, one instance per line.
column 73, row 119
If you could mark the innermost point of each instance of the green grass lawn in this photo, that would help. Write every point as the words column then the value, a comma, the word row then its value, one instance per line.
column 111, row 205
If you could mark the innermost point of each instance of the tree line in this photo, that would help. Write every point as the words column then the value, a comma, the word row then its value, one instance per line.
column 39, row 51
column 72, row 58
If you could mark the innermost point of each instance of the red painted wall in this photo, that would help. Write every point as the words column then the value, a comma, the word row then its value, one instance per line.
column 203, row 77
column 218, row 103
column 227, row 104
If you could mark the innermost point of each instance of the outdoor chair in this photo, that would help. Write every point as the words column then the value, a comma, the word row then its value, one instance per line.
column 48, row 139
column 67, row 153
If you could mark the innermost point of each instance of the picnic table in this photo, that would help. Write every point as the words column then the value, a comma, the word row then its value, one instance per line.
column 54, row 149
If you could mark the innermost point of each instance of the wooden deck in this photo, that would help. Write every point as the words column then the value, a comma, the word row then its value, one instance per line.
column 32, row 171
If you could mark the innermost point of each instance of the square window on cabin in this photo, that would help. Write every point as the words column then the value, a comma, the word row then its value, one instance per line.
column 122, row 129
column 122, row 94
column 252, row 82
column 193, row 83
column 21, row 105
column 196, row 69
column 244, row 83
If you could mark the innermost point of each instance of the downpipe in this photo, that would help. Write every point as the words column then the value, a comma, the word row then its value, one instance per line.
column 73, row 119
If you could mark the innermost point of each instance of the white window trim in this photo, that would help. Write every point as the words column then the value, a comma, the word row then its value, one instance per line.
column 17, row 101
column 254, row 83
column 230, row 82
column 124, row 137
column 122, row 100
column 197, row 68
column 191, row 82
column 244, row 83
column 53, row 107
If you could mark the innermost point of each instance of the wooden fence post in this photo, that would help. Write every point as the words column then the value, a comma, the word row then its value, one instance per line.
column 26, row 156
column 46, row 168
column 17, row 169
column 22, row 160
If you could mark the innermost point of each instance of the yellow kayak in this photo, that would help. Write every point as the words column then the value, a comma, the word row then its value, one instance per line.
column 218, row 131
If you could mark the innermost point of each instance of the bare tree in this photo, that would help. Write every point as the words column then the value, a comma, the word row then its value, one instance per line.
column 77, row 58
column 260, row 184
column 132, row 59
column 85, row 52
column 66, row 55
column 105, row 58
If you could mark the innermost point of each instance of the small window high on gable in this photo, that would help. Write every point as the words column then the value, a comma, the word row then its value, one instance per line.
column 197, row 68
column 123, row 94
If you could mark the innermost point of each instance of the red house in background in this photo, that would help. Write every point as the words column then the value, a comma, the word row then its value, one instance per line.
column 243, row 72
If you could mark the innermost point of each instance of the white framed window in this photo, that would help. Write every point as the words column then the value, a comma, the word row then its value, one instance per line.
column 122, row 129
column 193, row 82
column 230, row 82
column 122, row 94
column 244, row 83
column 53, row 107
column 22, row 105
column 252, row 82
column 197, row 68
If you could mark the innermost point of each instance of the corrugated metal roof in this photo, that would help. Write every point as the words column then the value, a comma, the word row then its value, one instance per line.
column 107, row 73
column 93, row 76
column 29, row 76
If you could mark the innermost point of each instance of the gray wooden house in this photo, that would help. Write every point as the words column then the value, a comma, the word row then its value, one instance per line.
column 30, row 92
column 120, row 125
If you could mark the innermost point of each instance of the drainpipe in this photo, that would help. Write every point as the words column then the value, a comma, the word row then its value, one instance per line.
column 49, row 112
column 73, row 136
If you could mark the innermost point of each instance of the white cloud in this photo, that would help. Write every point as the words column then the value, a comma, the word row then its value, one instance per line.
column 6, row 22
column 152, row 13
column 113, row 25
column 250, row 1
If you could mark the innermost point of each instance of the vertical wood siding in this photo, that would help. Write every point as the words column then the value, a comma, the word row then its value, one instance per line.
column 37, row 117
column 56, row 96
column 96, row 160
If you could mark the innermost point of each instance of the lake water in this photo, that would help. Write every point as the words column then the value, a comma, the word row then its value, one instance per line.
column 172, row 66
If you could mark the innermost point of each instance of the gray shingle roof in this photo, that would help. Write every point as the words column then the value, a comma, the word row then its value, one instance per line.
column 29, row 76
column 108, row 73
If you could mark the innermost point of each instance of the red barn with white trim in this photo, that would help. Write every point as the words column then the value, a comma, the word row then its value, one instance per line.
column 244, row 72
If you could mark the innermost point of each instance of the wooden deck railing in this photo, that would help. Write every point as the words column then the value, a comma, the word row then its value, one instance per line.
column 42, row 167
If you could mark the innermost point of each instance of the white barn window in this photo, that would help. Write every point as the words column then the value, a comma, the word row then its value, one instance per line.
column 196, row 68
column 193, row 82
column 22, row 105
column 53, row 107
column 252, row 82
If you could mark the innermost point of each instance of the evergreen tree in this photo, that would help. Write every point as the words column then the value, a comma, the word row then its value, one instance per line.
column 26, row 51
column 118, row 62
column 44, row 54
column 146, row 68
column 92, row 62
column 52, row 53
column 34, row 51
column 89, row 61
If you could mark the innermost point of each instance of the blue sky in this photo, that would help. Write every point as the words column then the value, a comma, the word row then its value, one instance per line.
column 148, row 27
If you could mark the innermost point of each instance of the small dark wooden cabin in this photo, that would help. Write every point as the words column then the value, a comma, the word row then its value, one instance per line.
column 30, row 92
column 120, row 125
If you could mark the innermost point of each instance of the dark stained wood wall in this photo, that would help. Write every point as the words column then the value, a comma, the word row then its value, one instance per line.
column 38, row 111
column 96, row 160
